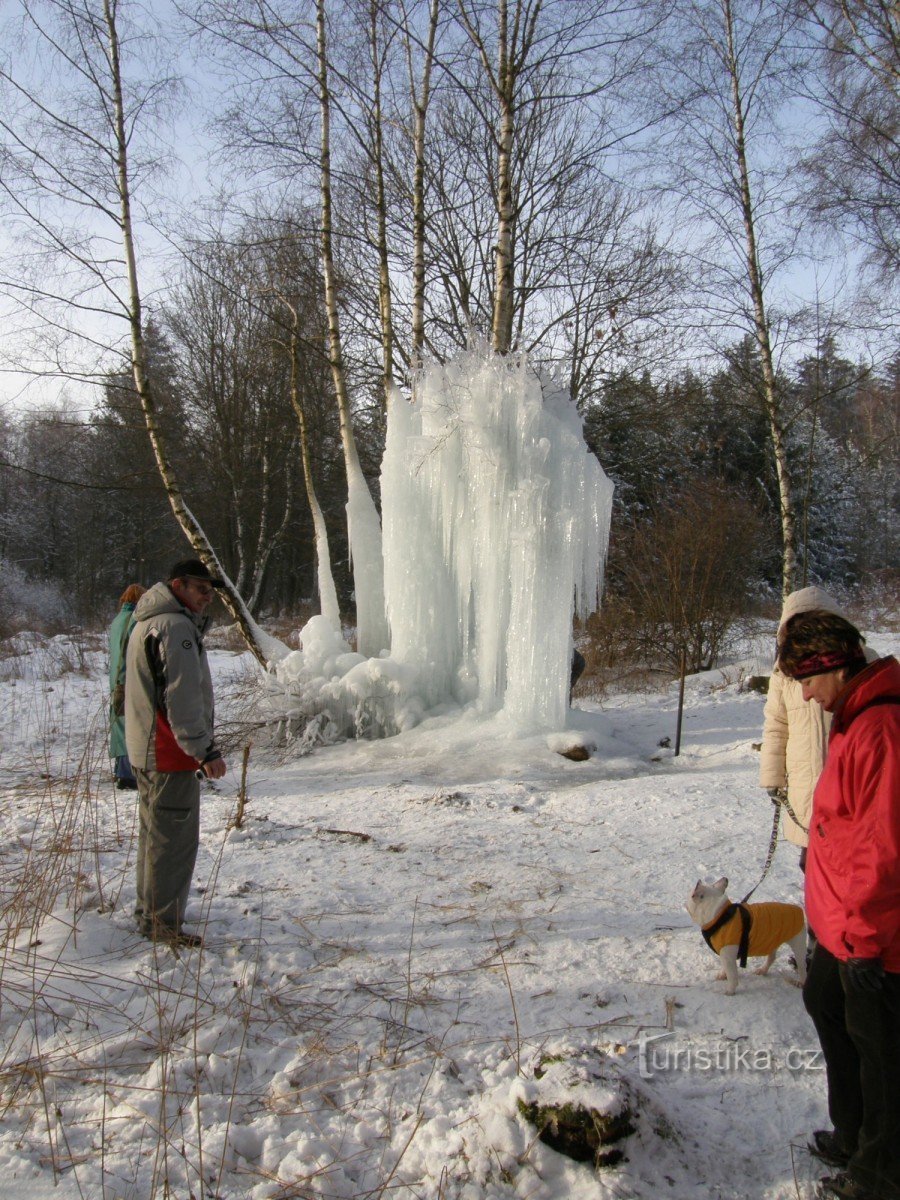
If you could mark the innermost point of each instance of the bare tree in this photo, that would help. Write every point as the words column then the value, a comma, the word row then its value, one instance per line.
column 420, row 90
column 69, row 137
column 362, row 516
column 287, row 75
column 723, row 90
column 293, row 279
column 235, row 386
column 327, row 592
column 535, row 54
column 855, row 167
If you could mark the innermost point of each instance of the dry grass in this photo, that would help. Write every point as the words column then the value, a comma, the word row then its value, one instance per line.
column 143, row 1054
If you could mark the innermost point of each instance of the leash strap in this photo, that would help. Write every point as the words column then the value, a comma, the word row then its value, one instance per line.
column 773, row 842
column 781, row 797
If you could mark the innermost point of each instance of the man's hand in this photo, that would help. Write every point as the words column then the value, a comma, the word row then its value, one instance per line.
column 215, row 768
column 867, row 974
column 776, row 795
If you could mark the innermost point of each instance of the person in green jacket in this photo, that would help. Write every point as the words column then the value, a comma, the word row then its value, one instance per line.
column 119, row 633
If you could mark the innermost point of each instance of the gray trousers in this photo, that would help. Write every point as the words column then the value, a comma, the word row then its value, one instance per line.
column 168, row 839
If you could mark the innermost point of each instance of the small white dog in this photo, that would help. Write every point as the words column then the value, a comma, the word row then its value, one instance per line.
column 735, row 931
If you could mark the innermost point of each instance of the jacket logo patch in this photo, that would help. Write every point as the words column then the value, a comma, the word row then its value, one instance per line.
column 186, row 645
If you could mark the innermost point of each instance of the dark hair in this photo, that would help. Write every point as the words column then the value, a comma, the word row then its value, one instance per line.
column 819, row 641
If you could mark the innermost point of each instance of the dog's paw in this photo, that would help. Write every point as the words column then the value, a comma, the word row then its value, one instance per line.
column 722, row 975
column 761, row 970
column 731, row 989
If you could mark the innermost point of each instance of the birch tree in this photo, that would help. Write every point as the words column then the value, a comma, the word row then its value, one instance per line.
column 362, row 517
column 855, row 166
column 71, row 119
column 725, row 86
column 420, row 90
column 533, row 54
column 300, row 334
column 282, row 126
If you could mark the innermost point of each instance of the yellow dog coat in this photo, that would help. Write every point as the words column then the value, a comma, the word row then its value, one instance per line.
column 757, row 929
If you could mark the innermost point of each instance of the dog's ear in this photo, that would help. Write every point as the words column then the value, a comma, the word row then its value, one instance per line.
column 697, row 887
column 721, row 884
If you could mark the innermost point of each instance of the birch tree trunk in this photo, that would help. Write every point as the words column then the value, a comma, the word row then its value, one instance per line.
column 515, row 43
column 771, row 399
column 364, row 526
column 263, row 647
column 328, row 601
column 420, row 99
column 268, row 538
column 501, row 331
column 384, row 273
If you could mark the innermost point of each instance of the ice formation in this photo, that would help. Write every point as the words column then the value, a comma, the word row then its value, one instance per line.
column 366, row 556
column 495, row 520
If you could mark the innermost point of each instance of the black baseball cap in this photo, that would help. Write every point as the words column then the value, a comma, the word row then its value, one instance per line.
column 193, row 568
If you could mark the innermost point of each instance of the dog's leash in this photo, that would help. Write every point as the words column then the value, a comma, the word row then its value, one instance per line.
column 780, row 797
column 773, row 842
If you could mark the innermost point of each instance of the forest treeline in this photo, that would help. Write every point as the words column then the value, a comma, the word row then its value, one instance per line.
column 84, row 509
column 629, row 193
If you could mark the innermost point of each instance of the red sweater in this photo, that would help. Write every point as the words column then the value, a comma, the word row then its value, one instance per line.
column 853, row 864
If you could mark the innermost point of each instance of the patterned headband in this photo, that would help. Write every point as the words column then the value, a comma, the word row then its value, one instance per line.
column 819, row 664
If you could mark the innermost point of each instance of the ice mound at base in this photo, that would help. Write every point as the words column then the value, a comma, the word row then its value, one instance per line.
column 495, row 521
column 325, row 690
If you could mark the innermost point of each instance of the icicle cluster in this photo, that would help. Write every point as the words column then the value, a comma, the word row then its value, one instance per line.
column 495, row 522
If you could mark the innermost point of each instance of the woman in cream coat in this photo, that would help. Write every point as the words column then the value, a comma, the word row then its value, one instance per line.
column 795, row 734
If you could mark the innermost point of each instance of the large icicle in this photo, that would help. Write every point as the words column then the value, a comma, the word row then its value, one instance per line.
column 496, row 520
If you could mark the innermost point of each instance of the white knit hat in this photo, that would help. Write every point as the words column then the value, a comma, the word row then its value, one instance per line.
column 805, row 600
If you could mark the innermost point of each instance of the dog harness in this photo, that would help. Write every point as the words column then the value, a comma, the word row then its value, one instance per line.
column 758, row 929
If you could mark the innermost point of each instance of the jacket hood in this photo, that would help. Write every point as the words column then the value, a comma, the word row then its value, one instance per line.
column 879, row 680
column 161, row 599
column 805, row 600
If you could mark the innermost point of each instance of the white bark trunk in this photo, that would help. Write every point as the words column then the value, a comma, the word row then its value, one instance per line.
column 503, row 263
column 363, row 523
column 384, row 272
column 264, row 647
column 420, row 103
column 771, row 400
column 328, row 601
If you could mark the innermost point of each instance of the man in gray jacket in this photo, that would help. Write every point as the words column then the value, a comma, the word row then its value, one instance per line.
column 169, row 737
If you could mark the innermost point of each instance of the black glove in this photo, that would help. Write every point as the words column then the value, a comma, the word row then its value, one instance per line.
column 776, row 795
column 867, row 974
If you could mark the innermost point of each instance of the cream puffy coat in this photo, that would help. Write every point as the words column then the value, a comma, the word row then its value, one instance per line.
column 795, row 733
column 795, row 738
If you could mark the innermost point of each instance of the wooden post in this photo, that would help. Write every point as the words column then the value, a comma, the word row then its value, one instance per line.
column 242, row 794
column 680, row 702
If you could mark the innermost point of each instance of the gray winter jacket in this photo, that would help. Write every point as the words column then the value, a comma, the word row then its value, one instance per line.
column 168, row 687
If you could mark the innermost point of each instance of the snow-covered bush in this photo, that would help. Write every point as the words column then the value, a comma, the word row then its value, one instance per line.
column 27, row 603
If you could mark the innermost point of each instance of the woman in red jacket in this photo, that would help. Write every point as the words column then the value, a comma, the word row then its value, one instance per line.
column 852, row 991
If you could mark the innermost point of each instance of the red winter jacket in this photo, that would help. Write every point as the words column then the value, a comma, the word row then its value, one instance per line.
column 853, row 864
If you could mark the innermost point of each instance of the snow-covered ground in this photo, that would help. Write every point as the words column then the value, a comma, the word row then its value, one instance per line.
column 399, row 934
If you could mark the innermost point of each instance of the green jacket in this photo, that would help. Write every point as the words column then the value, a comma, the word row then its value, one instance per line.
column 119, row 633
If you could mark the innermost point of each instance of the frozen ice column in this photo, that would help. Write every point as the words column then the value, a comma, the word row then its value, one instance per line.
column 496, row 522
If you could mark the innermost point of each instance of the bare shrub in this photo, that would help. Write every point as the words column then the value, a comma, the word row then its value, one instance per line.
column 875, row 604
column 28, row 603
column 679, row 580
